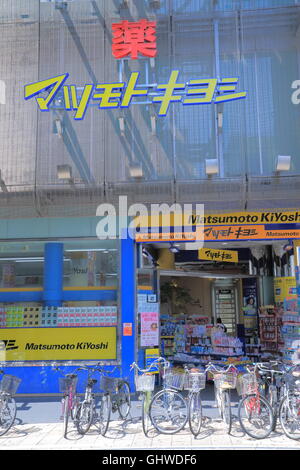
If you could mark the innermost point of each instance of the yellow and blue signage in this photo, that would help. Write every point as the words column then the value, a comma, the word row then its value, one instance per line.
column 120, row 94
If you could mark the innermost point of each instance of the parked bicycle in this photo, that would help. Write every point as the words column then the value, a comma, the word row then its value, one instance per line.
column 169, row 410
column 8, row 408
column 116, row 396
column 90, row 410
column 145, row 384
column 224, row 382
column 263, row 388
column 255, row 413
column 289, row 408
column 70, row 401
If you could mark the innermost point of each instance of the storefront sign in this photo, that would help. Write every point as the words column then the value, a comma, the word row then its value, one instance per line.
column 227, row 256
column 149, row 329
column 150, row 356
column 131, row 38
column 51, row 344
column 119, row 95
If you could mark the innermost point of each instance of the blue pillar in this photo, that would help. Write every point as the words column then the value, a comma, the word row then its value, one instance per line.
column 128, row 305
column 53, row 274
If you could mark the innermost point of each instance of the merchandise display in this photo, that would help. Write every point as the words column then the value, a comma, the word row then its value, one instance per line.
column 193, row 339
column 12, row 316
column 291, row 331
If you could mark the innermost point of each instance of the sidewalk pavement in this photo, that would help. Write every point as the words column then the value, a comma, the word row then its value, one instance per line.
column 31, row 434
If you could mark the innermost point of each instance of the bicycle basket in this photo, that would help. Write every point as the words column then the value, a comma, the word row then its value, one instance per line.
column 195, row 381
column 247, row 384
column 173, row 380
column 225, row 380
column 144, row 383
column 9, row 384
column 109, row 384
column 67, row 384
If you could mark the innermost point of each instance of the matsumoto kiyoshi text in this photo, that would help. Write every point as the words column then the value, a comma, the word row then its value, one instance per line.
column 67, row 346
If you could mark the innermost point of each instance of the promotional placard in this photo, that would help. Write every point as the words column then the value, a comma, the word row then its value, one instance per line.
column 149, row 329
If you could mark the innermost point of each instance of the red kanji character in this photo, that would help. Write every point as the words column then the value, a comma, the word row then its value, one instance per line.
column 131, row 38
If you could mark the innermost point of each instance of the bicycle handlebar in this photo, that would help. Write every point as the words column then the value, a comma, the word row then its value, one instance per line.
column 211, row 366
column 159, row 360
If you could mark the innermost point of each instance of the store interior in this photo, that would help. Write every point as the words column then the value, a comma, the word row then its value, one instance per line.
column 237, row 311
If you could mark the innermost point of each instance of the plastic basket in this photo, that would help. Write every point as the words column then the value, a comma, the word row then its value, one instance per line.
column 247, row 384
column 173, row 380
column 195, row 381
column 225, row 380
column 67, row 384
column 144, row 383
column 9, row 384
column 109, row 384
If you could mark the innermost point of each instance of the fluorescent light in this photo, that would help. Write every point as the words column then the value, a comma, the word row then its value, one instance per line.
column 121, row 124
column 2, row 184
column 283, row 163
column 58, row 127
column 211, row 166
column 64, row 172
column 90, row 249
column 136, row 172
column 220, row 120
column 153, row 124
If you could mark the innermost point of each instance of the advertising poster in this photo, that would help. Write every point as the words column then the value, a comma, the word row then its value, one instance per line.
column 149, row 329
column 250, row 305
column 284, row 288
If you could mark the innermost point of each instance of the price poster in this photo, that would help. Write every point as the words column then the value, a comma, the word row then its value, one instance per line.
column 149, row 329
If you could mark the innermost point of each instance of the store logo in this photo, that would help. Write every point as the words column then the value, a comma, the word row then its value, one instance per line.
column 296, row 94
column 134, row 38
column 8, row 345
column 53, row 93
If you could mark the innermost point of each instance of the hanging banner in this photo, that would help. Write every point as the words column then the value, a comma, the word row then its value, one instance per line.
column 225, row 256
column 51, row 344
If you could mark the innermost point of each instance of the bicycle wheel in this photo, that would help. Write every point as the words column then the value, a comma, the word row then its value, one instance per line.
column 66, row 414
column 8, row 411
column 104, row 413
column 289, row 416
column 168, row 411
column 226, row 409
column 84, row 416
column 272, row 399
column 123, row 400
column 195, row 413
column 146, row 420
column 256, row 416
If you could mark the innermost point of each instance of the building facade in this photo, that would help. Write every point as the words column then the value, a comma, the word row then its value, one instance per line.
column 56, row 169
